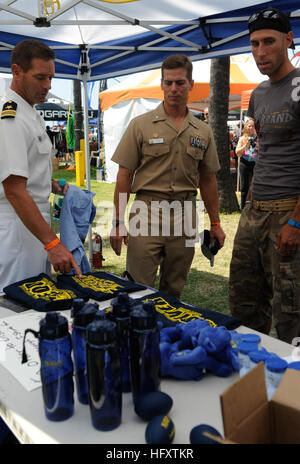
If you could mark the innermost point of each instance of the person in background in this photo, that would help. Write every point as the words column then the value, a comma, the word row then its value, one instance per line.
column 206, row 115
column 247, row 152
column 50, row 133
column 264, row 279
column 61, row 142
column 161, row 156
column 234, row 142
column 28, row 243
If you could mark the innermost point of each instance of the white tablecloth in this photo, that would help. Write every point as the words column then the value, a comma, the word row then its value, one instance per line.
column 194, row 402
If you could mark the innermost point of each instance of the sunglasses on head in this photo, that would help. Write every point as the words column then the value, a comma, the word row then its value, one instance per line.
column 268, row 14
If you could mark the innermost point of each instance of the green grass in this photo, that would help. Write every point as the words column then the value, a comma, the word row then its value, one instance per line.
column 206, row 286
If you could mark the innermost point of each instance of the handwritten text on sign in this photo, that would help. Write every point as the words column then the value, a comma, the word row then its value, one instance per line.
column 11, row 346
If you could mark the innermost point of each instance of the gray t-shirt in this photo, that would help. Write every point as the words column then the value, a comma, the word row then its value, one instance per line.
column 275, row 107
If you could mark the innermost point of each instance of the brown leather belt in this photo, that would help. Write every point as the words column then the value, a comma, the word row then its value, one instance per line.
column 285, row 204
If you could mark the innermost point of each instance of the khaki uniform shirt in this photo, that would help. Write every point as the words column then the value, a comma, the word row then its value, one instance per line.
column 164, row 159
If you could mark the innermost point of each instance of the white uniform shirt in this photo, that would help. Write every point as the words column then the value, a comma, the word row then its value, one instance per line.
column 25, row 149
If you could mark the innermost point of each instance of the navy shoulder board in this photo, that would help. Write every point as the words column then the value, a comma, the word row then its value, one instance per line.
column 9, row 110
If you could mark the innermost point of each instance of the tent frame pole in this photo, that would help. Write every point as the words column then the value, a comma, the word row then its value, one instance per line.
column 238, row 169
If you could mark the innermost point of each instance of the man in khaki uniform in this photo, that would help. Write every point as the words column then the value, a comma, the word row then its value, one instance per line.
column 163, row 156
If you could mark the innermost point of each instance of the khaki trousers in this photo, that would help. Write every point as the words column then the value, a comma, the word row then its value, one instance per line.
column 160, row 234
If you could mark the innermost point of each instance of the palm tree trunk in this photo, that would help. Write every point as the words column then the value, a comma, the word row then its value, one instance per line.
column 218, row 115
column 78, row 116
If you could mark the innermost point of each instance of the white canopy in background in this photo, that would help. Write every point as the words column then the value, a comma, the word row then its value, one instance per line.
column 4, row 83
column 97, row 39
column 141, row 92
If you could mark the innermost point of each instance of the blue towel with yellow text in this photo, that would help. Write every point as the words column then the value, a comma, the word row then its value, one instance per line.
column 98, row 285
column 172, row 311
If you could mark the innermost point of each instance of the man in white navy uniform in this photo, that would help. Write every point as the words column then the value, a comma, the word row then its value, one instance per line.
column 28, row 243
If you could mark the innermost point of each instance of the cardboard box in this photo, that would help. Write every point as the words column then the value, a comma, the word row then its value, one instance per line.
column 248, row 416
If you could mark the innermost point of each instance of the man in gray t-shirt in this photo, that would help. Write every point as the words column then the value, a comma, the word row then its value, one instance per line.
column 277, row 120
column 265, row 267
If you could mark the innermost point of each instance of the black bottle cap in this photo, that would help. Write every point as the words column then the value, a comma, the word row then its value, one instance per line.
column 83, row 315
column 124, row 299
column 119, row 307
column 141, row 319
column 101, row 332
column 54, row 326
column 149, row 307
column 78, row 303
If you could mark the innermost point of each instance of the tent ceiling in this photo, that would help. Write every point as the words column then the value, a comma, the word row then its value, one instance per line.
column 128, row 36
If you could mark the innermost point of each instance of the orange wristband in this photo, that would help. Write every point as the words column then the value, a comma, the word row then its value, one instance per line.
column 216, row 224
column 52, row 244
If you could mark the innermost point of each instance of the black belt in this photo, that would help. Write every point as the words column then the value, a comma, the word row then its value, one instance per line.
column 157, row 196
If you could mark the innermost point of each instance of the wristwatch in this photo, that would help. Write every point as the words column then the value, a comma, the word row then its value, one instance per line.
column 117, row 222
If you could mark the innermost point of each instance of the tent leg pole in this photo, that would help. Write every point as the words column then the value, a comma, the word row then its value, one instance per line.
column 238, row 170
column 87, row 157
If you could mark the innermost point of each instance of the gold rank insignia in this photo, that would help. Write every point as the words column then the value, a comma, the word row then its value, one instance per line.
column 9, row 110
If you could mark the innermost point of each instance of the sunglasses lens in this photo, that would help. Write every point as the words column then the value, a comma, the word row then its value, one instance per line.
column 264, row 14
column 271, row 14
column 253, row 18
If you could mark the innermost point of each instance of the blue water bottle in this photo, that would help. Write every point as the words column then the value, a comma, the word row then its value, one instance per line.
column 120, row 314
column 149, row 307
column 82, row 314
column 144, row 352
column 104, row 374
column 56, row 366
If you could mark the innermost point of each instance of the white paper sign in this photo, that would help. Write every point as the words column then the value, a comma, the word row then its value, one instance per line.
column 11, row 346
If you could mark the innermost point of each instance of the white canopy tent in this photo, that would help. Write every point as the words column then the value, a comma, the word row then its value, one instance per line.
column 4, row 83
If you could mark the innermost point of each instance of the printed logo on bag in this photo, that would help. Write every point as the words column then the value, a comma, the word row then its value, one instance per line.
column 177, row 314
column 198, row 142
column 94, row 283
column 45, row 289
